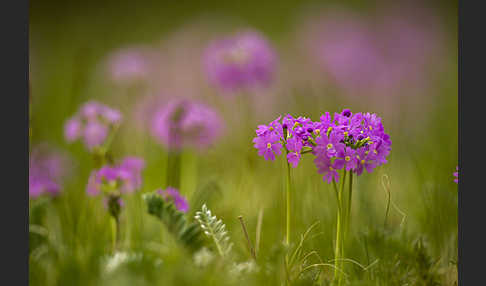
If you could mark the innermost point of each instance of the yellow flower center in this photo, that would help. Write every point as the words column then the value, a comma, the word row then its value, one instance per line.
column 347, row 158
column 269, row 145
column 317, row 131
column 371, row 128
column 366, row 152
column 362, row 161
column 271, row 128
column 329, row 146
column 331, row 168
column 345, row 133
column 374, row 151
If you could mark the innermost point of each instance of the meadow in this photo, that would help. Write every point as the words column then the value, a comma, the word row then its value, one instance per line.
column 143, row 119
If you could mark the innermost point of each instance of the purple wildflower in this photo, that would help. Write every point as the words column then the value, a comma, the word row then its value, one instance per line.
column 244, row 61
column 183, row 123
column 92, row 123
column 294, row 146
column 268, row 145
column 129, row 65
column 362, row 57
column 47, row 168
column 118, row 179
column 293, row 133
column 325, row 167
column 171, row 194
column 355, row 142
column 456, row 175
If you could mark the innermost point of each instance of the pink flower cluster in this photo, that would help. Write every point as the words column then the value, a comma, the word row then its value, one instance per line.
column 354, row 142
column 243, row 61
column 92, row 123
column 123, row 178
column 186, row 123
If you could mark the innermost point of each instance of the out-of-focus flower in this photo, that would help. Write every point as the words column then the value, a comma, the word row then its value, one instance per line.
column 456, row 175
column 172, row 195
column 47, row 169
column 343, row 45
column 374, row 55
column 92, row 123
column 182, row 123
column 240, row 62
column 129, row 65
column 119, row 179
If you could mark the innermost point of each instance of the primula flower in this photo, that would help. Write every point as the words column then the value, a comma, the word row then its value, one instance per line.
column 171, row 194
column 325, row 167
column 118, row 179
column 268, row 145
column 292, row 133
column 243, row 61
column 129, row 65
column 456, row 175
column 294, row 146
column 92, row 123
column 47, row 168
column 355, row 142
column 183, row 123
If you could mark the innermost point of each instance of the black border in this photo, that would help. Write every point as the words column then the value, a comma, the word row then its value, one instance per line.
column 14, row 209
column 471, row 194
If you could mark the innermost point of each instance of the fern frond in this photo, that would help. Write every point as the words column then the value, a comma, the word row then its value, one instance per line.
column 187, row 233
column 214, row 229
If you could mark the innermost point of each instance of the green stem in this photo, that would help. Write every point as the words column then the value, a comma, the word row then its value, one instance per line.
column 173, row 169
column 289, row 186
column 114, row 210
column 339, row 252
column 350, row 191
column 347, row 220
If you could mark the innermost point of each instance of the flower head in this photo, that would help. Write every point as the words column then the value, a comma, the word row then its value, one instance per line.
column 47, row 169
column 171, row 194
column 129, row 65
column 243, row 61
column 183, row 123
column 118, row 179
column 92, row 123
column 355, row 142
column 292, row 134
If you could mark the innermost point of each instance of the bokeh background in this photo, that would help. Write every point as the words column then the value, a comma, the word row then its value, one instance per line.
column 400, row 61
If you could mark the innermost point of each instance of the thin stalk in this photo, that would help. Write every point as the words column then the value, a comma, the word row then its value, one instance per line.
column 173, row 169
column 338, row 253
column 114, row 210
column 289, row 186
column 350, row 196
column 115, row 232
column 250, row 246
column 347, row 219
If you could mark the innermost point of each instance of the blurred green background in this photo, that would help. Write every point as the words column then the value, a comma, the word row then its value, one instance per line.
column 69, row 41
